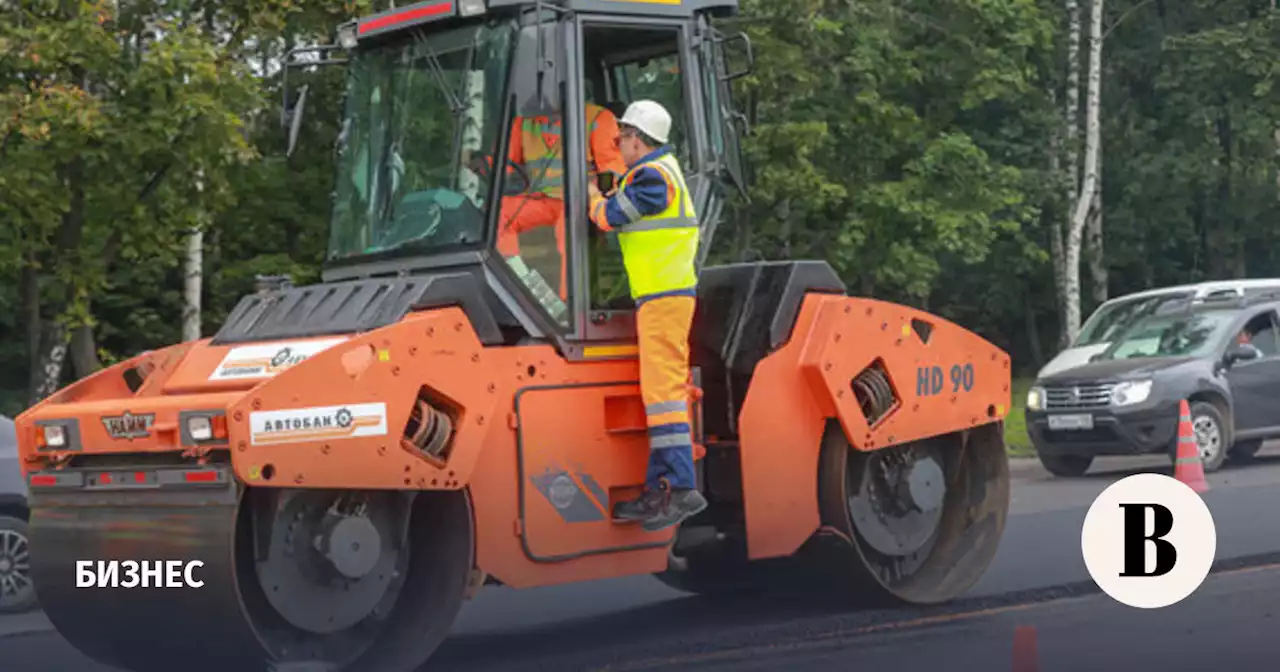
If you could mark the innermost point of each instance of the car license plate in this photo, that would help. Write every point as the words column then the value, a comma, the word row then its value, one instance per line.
column 1070, row 422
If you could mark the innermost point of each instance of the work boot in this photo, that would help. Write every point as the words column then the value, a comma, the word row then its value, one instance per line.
column 682, row 503
column 647, row 504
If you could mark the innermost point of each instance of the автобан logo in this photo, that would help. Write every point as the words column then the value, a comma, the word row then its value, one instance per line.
column 1149, row 541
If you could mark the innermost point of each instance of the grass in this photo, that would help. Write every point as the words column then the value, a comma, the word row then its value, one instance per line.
column 1017, row 442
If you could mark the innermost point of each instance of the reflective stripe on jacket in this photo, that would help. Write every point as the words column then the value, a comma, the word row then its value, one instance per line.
column 542, row 143
column 659, row 250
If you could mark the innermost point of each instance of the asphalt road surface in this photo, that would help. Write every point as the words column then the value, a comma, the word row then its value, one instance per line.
column 1037, row 579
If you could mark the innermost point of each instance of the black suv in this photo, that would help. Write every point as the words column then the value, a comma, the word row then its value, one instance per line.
column 1222, row 356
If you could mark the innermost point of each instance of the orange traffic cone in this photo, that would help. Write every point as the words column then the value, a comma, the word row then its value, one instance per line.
column 1187, row 466
column 1025, row 656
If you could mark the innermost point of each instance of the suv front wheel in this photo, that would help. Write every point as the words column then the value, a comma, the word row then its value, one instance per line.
column 17, row 592
column 1210, row 431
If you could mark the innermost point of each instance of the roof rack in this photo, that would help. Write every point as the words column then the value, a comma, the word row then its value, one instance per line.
column 1238, row 297
column 1232, row 294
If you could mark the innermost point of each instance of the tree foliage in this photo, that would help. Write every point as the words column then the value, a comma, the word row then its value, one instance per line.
column 908, row 142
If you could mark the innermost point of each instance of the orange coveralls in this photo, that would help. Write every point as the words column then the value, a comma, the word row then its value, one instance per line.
column 536, row 144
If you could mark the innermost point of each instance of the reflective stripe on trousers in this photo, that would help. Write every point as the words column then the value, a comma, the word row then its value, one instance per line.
column 662, row 326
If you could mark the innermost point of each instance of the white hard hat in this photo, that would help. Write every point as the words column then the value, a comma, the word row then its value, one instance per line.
column 651, row 118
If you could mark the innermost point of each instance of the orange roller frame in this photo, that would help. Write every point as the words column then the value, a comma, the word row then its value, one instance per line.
column 943, row 377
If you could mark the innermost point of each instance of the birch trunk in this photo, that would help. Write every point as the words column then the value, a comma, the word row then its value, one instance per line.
column 194, row 272
column 1095, row 248
column 48, row 376
column 1071, row 112
column 1089, row 185
column 1052, row 224
column 1070, row 175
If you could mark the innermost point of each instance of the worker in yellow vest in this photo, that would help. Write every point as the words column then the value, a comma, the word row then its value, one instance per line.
column 537, row 147
column 652, row 212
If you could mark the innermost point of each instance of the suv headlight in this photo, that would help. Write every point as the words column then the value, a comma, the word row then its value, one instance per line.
column 1130, row 392
column 1035, row 399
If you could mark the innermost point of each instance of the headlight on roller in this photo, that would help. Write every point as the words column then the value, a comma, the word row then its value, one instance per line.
column 201, row 428
column 55, row 436
column 1035, row 399
column 204, row 427
column 1130, row 392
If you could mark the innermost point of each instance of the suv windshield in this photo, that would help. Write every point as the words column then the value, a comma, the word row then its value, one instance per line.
column 413, row 109
column 1110, row 321
column 1180, row 335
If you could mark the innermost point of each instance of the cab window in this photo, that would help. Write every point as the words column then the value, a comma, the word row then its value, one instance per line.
column 531, row 224
column 659, row 79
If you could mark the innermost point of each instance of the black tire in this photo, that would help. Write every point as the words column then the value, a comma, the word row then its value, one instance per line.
column 1243, row 451
column 1066, row 466
column 1208, row 424
column 17, row 592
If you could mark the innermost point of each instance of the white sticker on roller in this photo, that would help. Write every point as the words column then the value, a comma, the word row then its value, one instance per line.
column 265, row 361
column 325, row 423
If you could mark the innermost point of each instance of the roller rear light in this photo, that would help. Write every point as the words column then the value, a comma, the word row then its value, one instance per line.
column 97, row 479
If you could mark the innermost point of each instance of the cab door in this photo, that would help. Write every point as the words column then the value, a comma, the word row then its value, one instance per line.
column 628, row 59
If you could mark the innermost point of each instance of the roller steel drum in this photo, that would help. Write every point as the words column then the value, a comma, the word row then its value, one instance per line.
column 372, row 588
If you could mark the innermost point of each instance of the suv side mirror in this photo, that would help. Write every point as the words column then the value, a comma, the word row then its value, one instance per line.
column 1242, row 352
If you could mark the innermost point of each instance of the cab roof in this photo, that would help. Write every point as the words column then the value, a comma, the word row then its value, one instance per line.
column 429, row 11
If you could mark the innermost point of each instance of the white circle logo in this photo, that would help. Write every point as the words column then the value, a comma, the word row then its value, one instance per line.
column 1149, row 541
column 562, row 492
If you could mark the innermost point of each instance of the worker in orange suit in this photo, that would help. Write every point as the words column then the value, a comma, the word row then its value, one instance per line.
column 536, row 147
column 652, row 212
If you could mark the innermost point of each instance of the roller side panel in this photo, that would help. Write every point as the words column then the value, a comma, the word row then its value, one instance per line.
column 337, row 419
column 581, row 447
column 779, row 435
column 941, row 377
column 746, row 311
column 226, row 368
column 584, row 421
column 810, row 379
